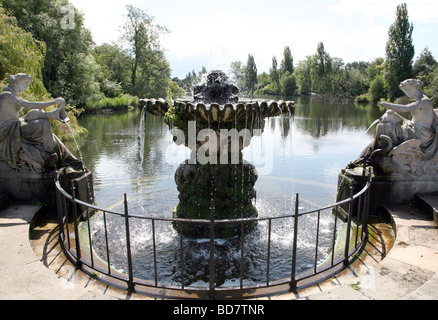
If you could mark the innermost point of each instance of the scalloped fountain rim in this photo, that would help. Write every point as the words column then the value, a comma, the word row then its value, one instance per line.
column 214, row 112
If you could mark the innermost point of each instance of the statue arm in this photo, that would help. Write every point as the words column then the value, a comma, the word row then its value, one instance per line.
column 38, row 105
column 400, row 108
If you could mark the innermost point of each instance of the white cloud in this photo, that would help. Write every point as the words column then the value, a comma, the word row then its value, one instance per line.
column 421, row 11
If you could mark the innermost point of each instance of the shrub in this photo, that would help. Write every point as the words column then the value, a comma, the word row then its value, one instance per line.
column 377, row 89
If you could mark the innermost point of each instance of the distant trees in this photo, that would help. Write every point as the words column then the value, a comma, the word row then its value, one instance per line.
column 148, row 66
column 68, row 63
column 21, row 53
column 250, row 75
column 399, row 51
column 83, row 73
column 275, row 75
column 329, row 76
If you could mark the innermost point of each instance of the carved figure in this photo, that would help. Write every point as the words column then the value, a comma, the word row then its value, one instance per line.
column 216, row 89
column 28, row 143
column 402, row 145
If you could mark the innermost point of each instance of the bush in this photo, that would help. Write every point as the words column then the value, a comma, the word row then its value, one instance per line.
column 288, row 84
column 363, row 99
column 122, row 101
column 377, row 89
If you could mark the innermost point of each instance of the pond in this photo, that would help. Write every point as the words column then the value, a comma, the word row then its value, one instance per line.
column 303, row 154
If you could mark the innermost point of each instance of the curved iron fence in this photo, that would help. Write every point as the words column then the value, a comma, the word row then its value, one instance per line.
column 347, row 240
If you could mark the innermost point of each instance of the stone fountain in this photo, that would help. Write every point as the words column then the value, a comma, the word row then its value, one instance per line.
column 216, row 183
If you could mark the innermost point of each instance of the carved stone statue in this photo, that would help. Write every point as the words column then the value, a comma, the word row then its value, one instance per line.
column 405, row 146
column 28, row 143
column 216, row 88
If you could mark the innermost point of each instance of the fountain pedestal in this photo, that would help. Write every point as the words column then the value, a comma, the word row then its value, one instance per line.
column 219, row 192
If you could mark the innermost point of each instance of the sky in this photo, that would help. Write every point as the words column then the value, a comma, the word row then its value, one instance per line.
column 215, row 33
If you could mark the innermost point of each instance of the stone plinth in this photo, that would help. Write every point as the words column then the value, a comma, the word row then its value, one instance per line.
column 39, row 186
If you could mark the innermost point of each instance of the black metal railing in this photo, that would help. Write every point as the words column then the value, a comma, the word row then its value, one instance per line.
column 347, row 240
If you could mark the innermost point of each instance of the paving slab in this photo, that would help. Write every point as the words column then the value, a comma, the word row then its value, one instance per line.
column 22, row 274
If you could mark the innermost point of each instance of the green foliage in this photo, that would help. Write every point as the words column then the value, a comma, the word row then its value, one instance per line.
column 287, row 65
column 69, row 69
column 304, row 76
column 238, row 73
column 362, row 99
column 399, row 52
column 432, row 88
column 115, row 63
column 149, row 69
column 424, row 67
column 75, row 70
column 377, row 89
column 250, row 74
column 275, row 75
column 20, row 53
column 321, row 70
column 121, row 101
column 288, row 84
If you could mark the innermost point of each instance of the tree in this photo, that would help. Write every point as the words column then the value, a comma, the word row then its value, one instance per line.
column 143, row 39
column 375, row 69
column 321, row 70
column 432, row 89
column 288, row 84
column 116, row 64
column 287, row 65
column 424, row 67
column 20, row 53
column 377, row 89
column 61, row 27
column 304, row 75
column 275, row 74
column 399, row 52
column 237, row 70
column 251, row 74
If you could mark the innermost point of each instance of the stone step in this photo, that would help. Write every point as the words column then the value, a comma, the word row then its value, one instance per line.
column 428, row 203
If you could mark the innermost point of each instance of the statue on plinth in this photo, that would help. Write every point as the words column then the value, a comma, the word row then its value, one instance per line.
column 28, row 143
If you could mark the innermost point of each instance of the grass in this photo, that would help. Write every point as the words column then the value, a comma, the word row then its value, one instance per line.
column 122, row 101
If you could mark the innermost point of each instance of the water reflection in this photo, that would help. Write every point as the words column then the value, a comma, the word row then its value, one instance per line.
column 300, row 154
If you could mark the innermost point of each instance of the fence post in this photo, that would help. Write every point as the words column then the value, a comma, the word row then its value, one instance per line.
column 350, row 217
column 212, row 238
column 61, row 215
column 75, row 223
column 293, row 283
column 131, row 285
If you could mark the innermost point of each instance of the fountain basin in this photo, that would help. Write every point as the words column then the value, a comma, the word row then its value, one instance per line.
column 215, row 113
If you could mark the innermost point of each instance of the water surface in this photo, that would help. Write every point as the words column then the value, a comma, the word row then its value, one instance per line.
column 303, row 154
